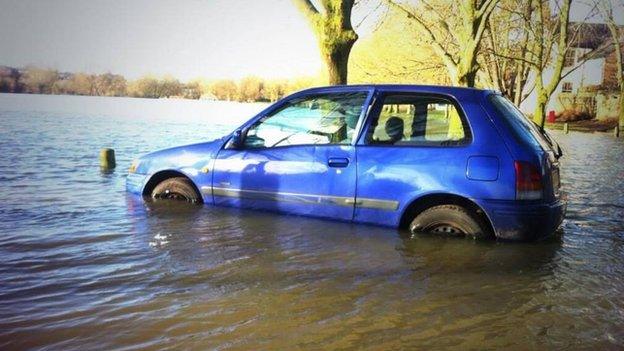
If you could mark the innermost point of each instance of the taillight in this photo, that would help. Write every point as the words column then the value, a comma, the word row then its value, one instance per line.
column 528, row 181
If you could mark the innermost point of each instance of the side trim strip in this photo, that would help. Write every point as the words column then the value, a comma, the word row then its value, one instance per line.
column 388, row 205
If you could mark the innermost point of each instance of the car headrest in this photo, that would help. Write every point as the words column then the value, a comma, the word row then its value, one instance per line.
column 394, row 128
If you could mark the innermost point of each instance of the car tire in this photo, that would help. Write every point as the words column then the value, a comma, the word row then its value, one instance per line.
column 450, row 220
column 178, row 188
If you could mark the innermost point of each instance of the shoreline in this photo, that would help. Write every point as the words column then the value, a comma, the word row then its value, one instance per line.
column 587, row 126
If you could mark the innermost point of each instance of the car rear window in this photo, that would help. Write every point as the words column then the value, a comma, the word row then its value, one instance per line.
column 522, row 127
column 418, row 120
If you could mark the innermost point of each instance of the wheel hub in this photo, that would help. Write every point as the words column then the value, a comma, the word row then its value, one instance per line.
column 447, row 229
column 169, row 195
column 440, row 228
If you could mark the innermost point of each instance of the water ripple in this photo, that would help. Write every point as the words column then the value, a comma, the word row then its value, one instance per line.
column 86, row 266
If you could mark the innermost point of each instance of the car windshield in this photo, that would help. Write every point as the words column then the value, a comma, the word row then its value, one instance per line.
column 522, row 127
column 310, row 120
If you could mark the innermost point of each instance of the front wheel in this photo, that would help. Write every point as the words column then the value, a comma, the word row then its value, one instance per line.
column 178, row 188
column 450, row 220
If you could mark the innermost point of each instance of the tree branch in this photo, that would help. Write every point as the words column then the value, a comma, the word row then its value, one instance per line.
column 562, row 46
column 427, row 32
column 308, row 9
column 486, row 7
column 515, row 58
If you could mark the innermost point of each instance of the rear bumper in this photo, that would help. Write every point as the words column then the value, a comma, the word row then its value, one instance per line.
column 518, row 220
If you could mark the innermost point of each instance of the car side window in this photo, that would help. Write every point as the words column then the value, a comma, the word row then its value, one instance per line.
column 309, row 120
column 418, row 120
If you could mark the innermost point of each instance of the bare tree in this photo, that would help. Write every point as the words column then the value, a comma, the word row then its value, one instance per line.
column 82, row 84
column 109, row 84
column 224, row 89
column 544, row 34
column 250, row 89
column 39, row 80
column 506, row 47
column 553, row 37
column 395, row 53
column 332, row 27
column 10, row 80
column 606, row 10
column 274, row 90
column 454, row 31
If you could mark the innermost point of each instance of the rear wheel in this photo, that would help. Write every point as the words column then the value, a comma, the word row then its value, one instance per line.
column 450, row 220
column 178, row 188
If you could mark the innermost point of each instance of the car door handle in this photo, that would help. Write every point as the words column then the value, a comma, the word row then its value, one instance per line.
column 340, row 162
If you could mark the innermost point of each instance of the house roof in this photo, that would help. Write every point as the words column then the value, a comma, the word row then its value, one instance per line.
column 593, row 36
column 588, row 35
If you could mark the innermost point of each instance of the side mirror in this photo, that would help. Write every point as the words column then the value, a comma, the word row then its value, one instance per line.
column 236, row 141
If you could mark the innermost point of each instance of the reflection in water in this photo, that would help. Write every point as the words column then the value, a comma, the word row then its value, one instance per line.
column 87, row 266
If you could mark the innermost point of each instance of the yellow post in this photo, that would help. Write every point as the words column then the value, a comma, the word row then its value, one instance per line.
column 616, row 132
column 566, row 129
column 107, row 158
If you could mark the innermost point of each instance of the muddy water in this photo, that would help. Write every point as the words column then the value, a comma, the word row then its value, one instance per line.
column 83, row 266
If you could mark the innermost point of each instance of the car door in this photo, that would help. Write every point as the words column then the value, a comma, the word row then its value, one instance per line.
column 297, row 158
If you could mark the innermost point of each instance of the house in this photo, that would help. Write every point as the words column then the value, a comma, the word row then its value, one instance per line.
column 589, row 84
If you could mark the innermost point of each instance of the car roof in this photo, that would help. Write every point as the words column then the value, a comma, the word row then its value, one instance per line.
column 459, row 92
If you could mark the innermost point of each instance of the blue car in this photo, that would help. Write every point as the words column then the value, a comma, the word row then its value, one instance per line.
column 457, row 161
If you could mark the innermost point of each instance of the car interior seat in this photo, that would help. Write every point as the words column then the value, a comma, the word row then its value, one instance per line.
column 394, row 128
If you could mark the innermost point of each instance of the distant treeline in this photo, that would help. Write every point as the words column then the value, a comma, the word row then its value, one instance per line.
column 35, row 80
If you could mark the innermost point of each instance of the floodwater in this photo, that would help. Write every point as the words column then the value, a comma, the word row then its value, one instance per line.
column 84, row 266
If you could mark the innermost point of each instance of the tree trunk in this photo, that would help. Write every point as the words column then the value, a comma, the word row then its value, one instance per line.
column 621, row 118
column 334, row 32
column 461, row 66
column 336, row 58
column 607, row 13
column 461, row 76
column 467, row 66
column 467, row 79
column 519, row 86
column 545, row 91
column 621, row 83
column 539, row 113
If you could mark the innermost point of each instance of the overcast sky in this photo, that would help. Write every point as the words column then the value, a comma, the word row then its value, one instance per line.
column 184, row 38
column 187, row 39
